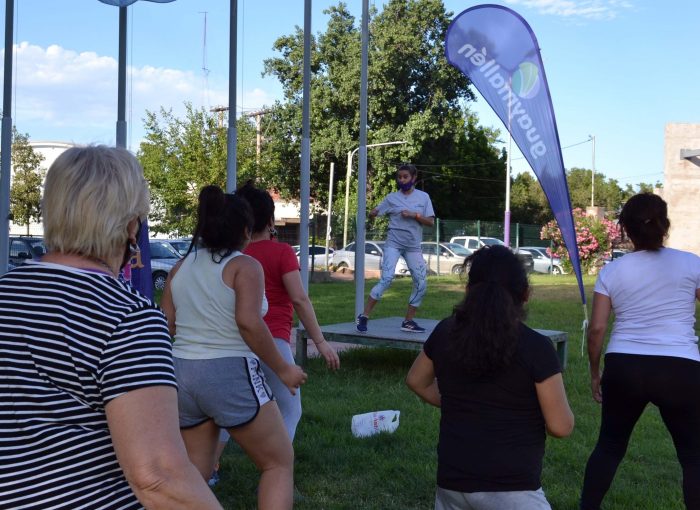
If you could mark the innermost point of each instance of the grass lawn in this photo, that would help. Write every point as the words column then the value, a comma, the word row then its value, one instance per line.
column 334, row 470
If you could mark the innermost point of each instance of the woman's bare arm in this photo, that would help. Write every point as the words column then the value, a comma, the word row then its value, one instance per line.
column 555, row 407
column 143, row 424
column 421, row 380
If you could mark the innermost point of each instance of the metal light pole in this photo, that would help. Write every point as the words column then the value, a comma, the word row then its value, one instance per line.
column 347, row 183
column 506, row 212
column 330, row 207
column 592, row 138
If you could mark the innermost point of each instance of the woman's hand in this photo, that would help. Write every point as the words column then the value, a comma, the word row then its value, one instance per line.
column 595, row 387
column 329, row 354
column 293, row 377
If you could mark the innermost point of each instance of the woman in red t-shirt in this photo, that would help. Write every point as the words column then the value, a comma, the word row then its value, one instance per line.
column 285, row 295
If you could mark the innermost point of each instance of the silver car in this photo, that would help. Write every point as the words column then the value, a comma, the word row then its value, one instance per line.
column 543, row 263
column 444, row 258
column 317, row 255
column 374, row 250
column 163, row 258
column 181, row 245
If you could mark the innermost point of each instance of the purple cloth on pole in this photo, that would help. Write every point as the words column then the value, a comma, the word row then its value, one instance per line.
column 141, row 277
column 497, row 50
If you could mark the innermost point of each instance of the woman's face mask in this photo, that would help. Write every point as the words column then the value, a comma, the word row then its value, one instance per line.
column 404, row 180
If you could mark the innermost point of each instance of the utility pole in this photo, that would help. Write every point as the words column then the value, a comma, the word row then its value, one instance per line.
column 258, row 132
column 220, row 110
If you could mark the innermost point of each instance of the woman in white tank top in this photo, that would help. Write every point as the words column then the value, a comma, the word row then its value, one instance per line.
column 214, row 302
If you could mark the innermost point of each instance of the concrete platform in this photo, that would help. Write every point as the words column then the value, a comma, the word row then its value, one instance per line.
column 387, row 332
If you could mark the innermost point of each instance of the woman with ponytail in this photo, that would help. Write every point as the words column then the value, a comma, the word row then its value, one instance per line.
column 499, row 388
column 214, row 300
column 652, row 355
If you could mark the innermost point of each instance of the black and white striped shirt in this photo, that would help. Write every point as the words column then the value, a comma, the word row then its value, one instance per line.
column 71, row 340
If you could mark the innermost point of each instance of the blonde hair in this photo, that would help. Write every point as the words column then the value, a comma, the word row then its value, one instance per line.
column 90, row 195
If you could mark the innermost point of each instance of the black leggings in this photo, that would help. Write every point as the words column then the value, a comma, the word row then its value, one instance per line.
column 629, row 383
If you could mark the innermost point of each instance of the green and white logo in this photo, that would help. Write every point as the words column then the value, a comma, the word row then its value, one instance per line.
column 526, row 82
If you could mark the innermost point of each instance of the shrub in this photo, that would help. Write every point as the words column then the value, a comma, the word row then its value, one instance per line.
column 594, row 237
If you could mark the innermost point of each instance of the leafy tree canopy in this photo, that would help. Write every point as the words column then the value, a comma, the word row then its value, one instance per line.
column 182, row 155
column 414, row 95
column 529, row 204
column 25, row 193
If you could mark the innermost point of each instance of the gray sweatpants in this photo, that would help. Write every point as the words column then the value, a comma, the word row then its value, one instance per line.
column 513, row 500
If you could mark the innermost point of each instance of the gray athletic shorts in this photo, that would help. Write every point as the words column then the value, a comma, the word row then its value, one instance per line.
column 512, row 500
column 229, row 391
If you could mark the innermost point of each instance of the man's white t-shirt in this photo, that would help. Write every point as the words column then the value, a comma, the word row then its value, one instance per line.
column 653, row 299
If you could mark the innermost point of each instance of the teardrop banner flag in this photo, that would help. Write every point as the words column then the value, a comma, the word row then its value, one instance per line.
column 497, row 50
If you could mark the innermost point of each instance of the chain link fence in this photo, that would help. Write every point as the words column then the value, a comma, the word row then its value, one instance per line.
column 521, row 234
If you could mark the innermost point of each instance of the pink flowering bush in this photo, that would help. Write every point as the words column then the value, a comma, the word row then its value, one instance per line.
column 595, row 239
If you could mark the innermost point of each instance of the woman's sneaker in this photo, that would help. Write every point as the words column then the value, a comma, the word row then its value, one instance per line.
column 214, row 479
column 410, row 326
column 361, row 323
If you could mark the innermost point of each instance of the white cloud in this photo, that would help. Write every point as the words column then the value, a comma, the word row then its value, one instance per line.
column 64, row 95
column 588, row 9
column 256, row 99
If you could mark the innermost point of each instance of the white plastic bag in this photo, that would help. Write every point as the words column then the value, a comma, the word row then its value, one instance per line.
column 368, row 424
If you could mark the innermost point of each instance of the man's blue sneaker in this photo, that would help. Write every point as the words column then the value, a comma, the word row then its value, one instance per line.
column 410, row 326
column 361, row 323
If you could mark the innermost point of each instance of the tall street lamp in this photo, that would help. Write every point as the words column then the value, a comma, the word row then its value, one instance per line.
column 592, row 138
column 347, row 183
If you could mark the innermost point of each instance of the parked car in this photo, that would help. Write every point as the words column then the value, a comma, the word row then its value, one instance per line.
column 23, row 248
column 473, row 243
column 317, row 255
column 543, row 263
column 374, row 250
column 163, row 258
column 450, row 260
column 181, row 245
column 616, row 254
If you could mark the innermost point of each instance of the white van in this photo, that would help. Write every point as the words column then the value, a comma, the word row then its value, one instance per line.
column 473, row 243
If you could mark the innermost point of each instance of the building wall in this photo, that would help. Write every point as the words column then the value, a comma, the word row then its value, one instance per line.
column 682, row 186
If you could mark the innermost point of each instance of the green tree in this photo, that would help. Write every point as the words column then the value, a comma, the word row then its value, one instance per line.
column 608, row 193
column 528, row 203
column 414, row 95
column 25, row 193
column 642, row 187
column 181, row 155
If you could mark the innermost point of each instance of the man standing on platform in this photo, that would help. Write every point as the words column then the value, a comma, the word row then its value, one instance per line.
column 409, row 210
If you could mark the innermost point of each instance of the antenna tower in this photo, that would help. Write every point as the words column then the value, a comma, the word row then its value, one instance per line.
column 205, row 69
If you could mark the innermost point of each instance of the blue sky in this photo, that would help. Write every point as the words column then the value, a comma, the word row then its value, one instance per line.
column 617, row 69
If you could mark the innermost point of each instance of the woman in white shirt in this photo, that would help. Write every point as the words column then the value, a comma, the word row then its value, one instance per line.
column 652, row 355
